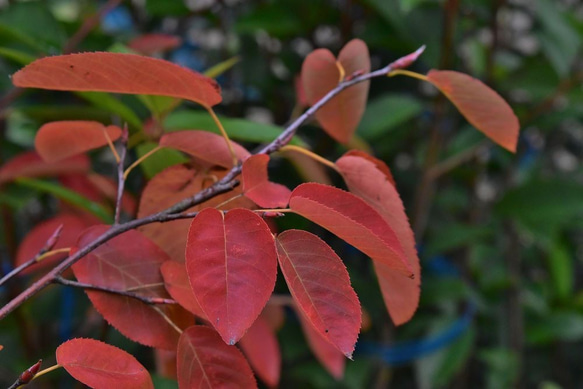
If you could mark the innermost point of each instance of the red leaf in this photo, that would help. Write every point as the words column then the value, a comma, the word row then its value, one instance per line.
column 328, row 355
column 480, row 105
column 101, row 366
column 351, row 219
column 320, row 285
column 129, row 261
column 364, row 179
column 377, row 162
column 118, row 73
column 341, row 115
column 257, row 187
column 30, row 164
column 36, row 239
column 176, row 282
column 274, row 315
column 55, row 141
column 261, row 348
column 149, row 44
column 204, row 361
column 232, row 266
column 204, row 146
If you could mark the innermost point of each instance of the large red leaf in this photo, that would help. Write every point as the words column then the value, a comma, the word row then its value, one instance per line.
column 149, row 44
column 130, row 261
column 118, row 73
column 232, row 267
column 257, row 186
column 55, row 141
column 363, row 178
column 320, row 74
column 30, row 164
column 102, row 366
column 328, row 355
column 205, row 361
column 481, row 106
column 352, row 219
column 320, row 285
column 261, row 348
column 204, row 146
column 36, row 239
column 176, row 282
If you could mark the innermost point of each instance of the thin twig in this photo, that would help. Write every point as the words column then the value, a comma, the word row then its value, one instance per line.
column 120, row 173
column 225, row 184
column 26, row 376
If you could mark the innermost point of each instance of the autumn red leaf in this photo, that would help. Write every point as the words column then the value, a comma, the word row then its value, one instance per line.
column 30, row 164
column 205, row 361
column 149, row 44
column 480, row 105
column 320, row 74
column 232, row 267
column 352, row 219
column 380, row 165
column 102, row 366
column 274, row 315
column 206, row 147
column 55, row 141
column 118, row 73
column 329, row 356
column 258, row 188
column 176, row 282
column 130, row 262
column 36, row 239
column 261, row 348
column 364, row 178
column 320, row 286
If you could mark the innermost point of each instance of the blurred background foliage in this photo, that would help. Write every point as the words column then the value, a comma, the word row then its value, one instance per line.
column 500, row 235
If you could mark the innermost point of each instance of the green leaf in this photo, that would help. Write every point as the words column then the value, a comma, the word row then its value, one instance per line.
column 20, row 57
column 454, row 236
column 159, row 106
column 387, row 112
column 113, row 105
column 166, row 8
column 502, row 367
column 68, row 196
column 222, row 67
column 237, row 129
column 559, row 325
column 561, row 267
column 158, row 161
column 48, row 113
column 273, row 18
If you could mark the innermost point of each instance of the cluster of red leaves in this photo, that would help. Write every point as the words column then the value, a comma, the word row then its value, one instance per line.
column 221, row 267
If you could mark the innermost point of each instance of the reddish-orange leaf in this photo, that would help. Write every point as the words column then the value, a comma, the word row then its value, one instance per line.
column 206, row 147
column 205, row 361
column 328, row 355
column 102, row 366
column 320, row 286
column 166, row 363
column 258, row 188
column 132, row 262
column 366, row 180
column 36, row 239
column 55, row 141
column 30, row 164
column 352, row 219
column 377, row 162
column 149, row 44
column 320, row 74
column 118, row 73
column 480, row 105
column 176, row 282
column 232, row 266
column 261, row 348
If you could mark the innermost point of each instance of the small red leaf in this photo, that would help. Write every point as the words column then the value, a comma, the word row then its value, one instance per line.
column 118, row 73
column 131, row 262
column 261, row 348
column 366, row 180
column 149, row 44
column 101, row 366
column 55, row 141
column 30, row 164
column 480, row 105
column 232, row 267
column 320, row 285
column 257, row 186
column 204, row 361
column 352, row 219
column 176, row 282
column 205, row 146
column 320, row 74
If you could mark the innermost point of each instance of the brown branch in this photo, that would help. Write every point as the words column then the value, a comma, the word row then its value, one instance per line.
column 227, row 183
column 124, row 293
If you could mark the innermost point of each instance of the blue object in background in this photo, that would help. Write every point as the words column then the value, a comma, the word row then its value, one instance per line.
column 67, row 313
column 187, row 56
column 117, row 20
